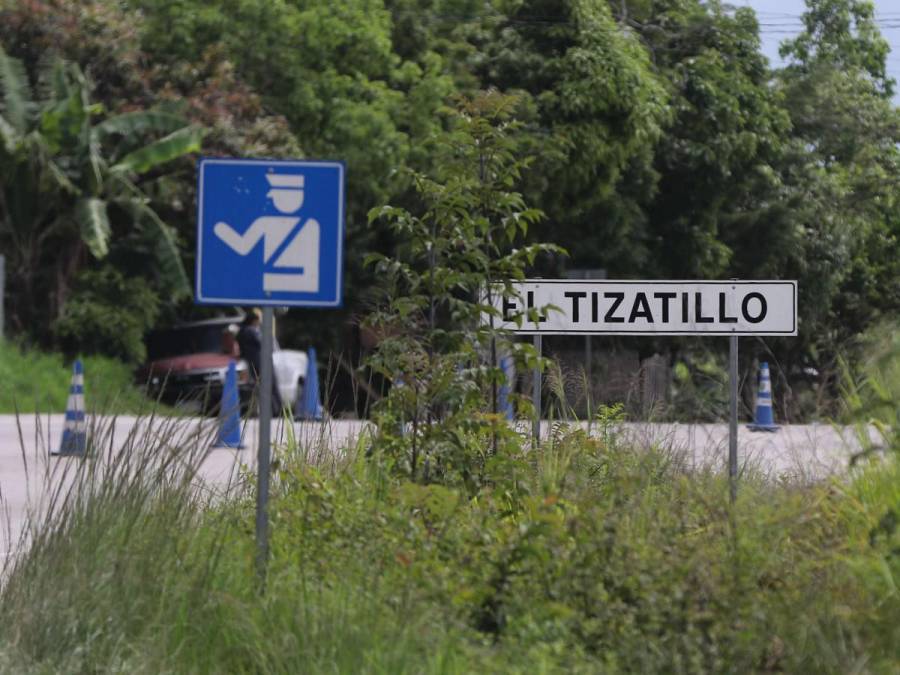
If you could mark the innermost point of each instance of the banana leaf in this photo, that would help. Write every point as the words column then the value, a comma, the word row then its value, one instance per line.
column 167, row 251
column 173, row 146
column 140, row 122
column 17, row 98
column 93, row 221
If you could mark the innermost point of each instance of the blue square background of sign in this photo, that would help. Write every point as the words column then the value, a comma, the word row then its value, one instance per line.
column 234, row 191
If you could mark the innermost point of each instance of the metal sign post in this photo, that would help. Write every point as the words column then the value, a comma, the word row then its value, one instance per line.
column 733, row 416
column 2, row 293
column 536, row 395
column 264, row 451
column 269, row 233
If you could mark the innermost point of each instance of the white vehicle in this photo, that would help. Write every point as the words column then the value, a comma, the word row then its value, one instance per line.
column 290, row 367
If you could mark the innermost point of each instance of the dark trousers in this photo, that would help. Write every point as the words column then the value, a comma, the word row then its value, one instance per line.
column 277, row 403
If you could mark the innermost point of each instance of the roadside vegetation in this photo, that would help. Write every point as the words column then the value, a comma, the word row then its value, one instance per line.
column 483, row 140
column 36, row 382
column 443, row 541
column 583, row 556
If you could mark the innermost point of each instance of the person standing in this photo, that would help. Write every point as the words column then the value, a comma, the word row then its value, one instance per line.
column 249, row 339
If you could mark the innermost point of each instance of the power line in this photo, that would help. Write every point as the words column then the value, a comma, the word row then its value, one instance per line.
column 792, row 25
column 775, row 23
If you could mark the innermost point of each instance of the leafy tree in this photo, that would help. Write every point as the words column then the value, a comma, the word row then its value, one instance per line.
column 785, row 177
column 69, row 179
column 716, row 208
column 109, row 314
column 435, row 347
column 331, row 71
column 596, row 111
column 104, row 36
column 844, row 35
column 844, row 169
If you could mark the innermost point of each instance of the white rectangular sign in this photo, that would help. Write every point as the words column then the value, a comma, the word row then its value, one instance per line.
column 649, row 307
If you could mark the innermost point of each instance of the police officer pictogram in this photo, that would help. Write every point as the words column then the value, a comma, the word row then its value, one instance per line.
column 270, row 232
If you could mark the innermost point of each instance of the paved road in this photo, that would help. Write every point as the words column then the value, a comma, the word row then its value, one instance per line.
column 29, row 476
column 803, row 452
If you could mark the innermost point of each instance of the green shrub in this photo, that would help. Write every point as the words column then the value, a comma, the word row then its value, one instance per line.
column 599, row 558
column 38, row 382
column 872, row 391
column 618, row 562
column 440, row 348
column 108, row 314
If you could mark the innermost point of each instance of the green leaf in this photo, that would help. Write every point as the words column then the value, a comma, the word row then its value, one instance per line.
column 8, row 136
column 60, row 178
column 16, row 92
column 168, row 254
column 93, row 222
column 140, row 122
column 372, row 259
column 53, row 82
column 173, row 146
column 95, row 162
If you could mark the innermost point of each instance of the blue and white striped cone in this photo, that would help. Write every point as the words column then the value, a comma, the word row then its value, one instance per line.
column 765, row 420
column 74, row 437
column 229, row 435
column 310, row 408
column 505, row 404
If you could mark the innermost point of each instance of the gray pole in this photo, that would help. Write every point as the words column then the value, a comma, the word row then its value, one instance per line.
column 589, row 357
column 264, row 449
column 2, row 292
column 732, row 421
column 536, row 396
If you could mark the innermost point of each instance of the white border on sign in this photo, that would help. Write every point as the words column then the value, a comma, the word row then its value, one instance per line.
column 282, row 302
column 734, row 282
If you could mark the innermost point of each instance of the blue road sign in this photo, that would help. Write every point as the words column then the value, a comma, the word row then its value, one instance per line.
column 270, row 232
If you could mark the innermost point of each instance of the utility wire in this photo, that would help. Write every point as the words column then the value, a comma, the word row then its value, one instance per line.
column 771, row 23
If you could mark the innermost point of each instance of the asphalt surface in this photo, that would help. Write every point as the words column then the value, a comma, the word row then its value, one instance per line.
column 31, row 479
column 30, row 476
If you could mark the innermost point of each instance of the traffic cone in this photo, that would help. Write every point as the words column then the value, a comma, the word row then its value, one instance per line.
column 309, row 407
column 764, row 421
column 505, row 403
column 229, row 435
column 74, row 437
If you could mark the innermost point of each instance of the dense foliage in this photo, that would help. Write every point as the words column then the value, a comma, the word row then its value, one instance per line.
column 586, row 556
column 665, row 145
column 69, row 172
column 450, row 265
column 37, row 382
column 655, row 139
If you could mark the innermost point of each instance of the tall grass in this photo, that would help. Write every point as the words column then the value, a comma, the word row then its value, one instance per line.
column 130, row 565
column 599, row 557
column 38, row 382
column 584, row 554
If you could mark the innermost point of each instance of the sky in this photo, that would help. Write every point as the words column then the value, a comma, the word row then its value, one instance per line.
column 780, row 20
